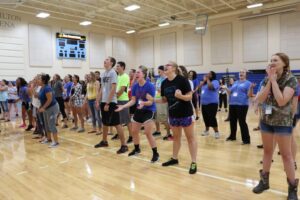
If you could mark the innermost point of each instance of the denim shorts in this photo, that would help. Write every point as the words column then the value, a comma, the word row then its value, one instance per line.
column 279, row 130
column 4, row 106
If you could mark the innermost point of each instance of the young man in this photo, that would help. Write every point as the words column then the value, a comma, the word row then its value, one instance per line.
column 122, row 95
column 108, row 104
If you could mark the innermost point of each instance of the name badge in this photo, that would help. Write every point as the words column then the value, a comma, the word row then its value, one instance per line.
column 268, row 110
column 139, row 102
column 235, row 94
column 202, row 92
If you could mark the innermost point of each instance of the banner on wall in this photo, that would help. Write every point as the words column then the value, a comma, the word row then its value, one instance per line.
column 8, row 20
column 70, row 46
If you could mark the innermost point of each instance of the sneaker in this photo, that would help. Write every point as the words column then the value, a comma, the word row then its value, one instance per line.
column 245, row 143
column 155, row 158
column 172, row 161
column 193, row 168
column 219, row 110
column 260, row 146
column 134, row 152
column 129, row 140
column 22, row 126
column 217, row 135
column 53, row 145
column 115, row 137
column 89, row 120
column 230, row 139
column 170, row 138
column 123, row 149
column 45, row 141
column 167, row 137
column 74, row 128
column 196, row 118
column 156, row 133
column 80, row 130
column 205, row 133
column 256, row 129
column 226, row 120
column 29, row 128
column 225, row 110
column 101, row 144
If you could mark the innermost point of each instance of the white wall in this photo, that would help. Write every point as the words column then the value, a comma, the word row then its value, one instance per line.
column 29, row 35
column 267, row 40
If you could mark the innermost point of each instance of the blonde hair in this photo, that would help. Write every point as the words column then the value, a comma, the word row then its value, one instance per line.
column 144, row 71
column 177, row 70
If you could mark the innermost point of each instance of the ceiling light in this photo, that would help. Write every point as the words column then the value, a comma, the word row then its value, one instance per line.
column 85, row 23
column 43, row 15
column 199, row 28
column 164, row 24
column 255, row 5
column 132, row 7
column 131, row 31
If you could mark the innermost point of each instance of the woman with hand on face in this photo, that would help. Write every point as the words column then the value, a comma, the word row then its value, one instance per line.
column 276, row 95
column 142, row 94
column 176, row 91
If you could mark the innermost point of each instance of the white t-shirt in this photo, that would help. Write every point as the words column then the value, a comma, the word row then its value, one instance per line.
column 35, row 101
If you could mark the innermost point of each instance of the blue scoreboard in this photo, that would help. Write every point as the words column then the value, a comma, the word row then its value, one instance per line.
column 70, row 46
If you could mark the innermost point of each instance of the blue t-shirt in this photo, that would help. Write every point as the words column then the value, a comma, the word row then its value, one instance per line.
column 43, row 98
column 23, row 94
column 297, row 92
column 140, row 92
column 239, row 93
column 67, row 87
column 195, row 83
column 209, row 96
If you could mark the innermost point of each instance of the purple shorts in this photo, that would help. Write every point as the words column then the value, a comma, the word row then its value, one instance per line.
column 183, row 121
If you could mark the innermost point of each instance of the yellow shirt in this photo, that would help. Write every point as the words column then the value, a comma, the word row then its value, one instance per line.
column 91, row 91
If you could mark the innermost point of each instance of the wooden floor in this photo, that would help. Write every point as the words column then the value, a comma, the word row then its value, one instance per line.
column 76, row 170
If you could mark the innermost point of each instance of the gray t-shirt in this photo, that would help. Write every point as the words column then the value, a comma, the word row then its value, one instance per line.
column 107, row 79
column 57, row 88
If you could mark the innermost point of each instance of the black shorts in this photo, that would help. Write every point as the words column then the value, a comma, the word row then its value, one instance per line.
column 142, row 116
column 132, row 109
column 110, row 117
column 11, row 101
column 26, row 105
column 295, row 120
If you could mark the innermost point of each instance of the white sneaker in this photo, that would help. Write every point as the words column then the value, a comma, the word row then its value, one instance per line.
column 53, row 145
column 90, row 120
column 80, row 130
column 205, row 133
column 217, row 135
column 45, row 141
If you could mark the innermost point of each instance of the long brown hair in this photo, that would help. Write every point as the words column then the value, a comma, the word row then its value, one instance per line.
column 286, row 60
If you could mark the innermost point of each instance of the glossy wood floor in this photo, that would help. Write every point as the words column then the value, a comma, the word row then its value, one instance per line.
column 76, row 170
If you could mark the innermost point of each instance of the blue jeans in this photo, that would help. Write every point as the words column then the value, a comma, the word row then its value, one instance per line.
column 95, row 113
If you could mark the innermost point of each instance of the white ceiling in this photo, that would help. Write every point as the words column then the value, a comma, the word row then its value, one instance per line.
column 110, row 14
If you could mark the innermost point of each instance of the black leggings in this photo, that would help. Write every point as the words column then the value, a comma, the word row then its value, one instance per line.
column 209, row 113
column 61, row 105
column 236, row 113
column 223, row 99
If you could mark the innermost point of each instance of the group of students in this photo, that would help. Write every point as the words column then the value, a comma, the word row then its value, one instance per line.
column 116, row 99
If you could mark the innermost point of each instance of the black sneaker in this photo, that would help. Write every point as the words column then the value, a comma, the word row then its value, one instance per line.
column 197, row 118
column 29, row 128
column 115, row 137
column 134, row 152
column 230, row 139
column 260, row 146
column 167, row 137
column 102, row 144
column 156, row 133
column 172, row 161
column 193, row 168
column 226, row 120
column 123, row 149
column 129, row 140
column 155, row 158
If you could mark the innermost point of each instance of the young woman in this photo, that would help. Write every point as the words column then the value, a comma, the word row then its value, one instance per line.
column 176, row 91
column 193, row 77
column 143, row 94
column 276, row 96
column 76, row 102
column 24, row 93
column 67, row 92
column 12, row 98
column 239, row 103
column 231, row 82
column 3, row 100
column 50, row 109
column 222, row 95
column 93, row 88
column 210, row 100
column 58, row 90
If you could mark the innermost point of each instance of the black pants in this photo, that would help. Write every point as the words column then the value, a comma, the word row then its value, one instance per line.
column 61, row 105
column 223, row 99
column 239, row 113
column 209, row 113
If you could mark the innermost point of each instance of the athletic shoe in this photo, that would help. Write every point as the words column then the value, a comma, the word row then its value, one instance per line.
column 80, row 130
column 74, row 128
column 230, row 139
column 53, row 145
column 156, row 133
column 101, row 144
column 205, row 133
column 193, row 168
column 129, row 140
column 45, row 141
column 260, row 146
column 245, row 143
column 29, row 128
column 123, row 149
column 168, row 137
column 170, row 162
column 115, row 137
column 89, row 120
column 196, row 118
column 256, row 129
column 217, row 135
column 225, row 110
column 155, row 158
column 134, row 152
column 219, row 110
column 226, row 120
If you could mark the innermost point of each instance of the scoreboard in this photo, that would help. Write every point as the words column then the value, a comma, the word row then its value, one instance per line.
column 70, row 46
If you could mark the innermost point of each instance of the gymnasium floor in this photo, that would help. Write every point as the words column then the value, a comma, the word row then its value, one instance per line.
column 76, row 170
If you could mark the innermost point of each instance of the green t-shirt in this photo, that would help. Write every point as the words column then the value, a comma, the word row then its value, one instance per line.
column 123, row 81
